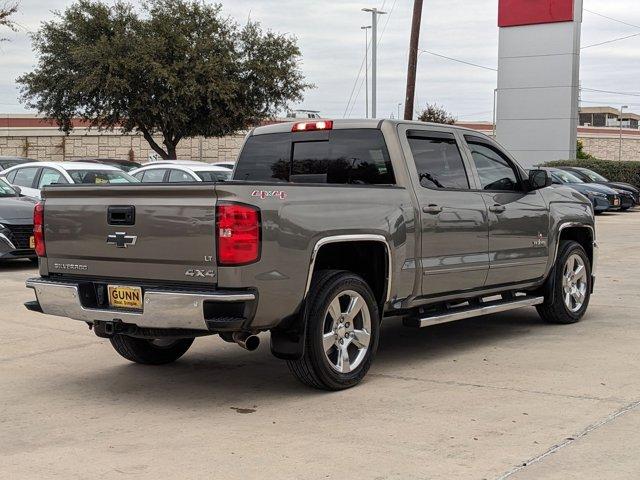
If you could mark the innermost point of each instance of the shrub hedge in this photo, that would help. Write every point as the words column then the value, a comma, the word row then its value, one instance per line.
column 628, row 172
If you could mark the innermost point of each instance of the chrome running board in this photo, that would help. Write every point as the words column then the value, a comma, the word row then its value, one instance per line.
column 461, row 313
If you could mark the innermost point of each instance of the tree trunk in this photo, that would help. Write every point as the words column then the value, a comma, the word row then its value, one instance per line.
column 171, row 151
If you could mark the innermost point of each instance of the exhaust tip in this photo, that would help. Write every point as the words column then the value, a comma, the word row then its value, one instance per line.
column 247, row 341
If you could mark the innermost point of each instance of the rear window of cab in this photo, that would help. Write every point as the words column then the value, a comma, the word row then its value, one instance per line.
column 337, row 157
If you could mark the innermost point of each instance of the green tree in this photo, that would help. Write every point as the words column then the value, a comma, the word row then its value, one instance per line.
column 6, row 11
column 434, row 113
column 177, row 68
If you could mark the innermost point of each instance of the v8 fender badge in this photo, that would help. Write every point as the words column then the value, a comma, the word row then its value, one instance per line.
column 262, row 194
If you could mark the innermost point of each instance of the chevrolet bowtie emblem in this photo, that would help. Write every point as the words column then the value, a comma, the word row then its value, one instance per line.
column 121, row 239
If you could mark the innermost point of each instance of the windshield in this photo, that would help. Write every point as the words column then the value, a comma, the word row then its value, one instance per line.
column 214, row 176
column 98, row 177
column 593, row 176
column 6, row 190
column 123, row 165
column 565, row 177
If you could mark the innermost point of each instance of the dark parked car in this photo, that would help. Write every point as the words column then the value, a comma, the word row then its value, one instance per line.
column 124, row 165
column 602, row 197
column 16, row 224
column 8, row 162
column 590, row 176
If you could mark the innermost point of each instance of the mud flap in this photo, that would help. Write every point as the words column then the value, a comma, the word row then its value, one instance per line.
column 288, row 341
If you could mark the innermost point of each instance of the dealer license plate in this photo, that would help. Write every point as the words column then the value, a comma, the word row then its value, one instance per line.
column 125, row 297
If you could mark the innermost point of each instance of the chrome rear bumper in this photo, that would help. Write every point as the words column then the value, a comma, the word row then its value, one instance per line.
column 162, row 309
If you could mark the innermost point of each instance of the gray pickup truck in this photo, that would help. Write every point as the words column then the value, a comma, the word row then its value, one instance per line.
column 327, row 228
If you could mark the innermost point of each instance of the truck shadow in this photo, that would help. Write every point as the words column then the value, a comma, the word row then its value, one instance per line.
column 217, row 374
column 16, row 266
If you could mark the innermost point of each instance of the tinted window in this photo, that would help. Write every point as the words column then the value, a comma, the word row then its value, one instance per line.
column 355, row 157
column 24, row 177
column 265, row 158
column 178, row 176
column 215, row 176
column 494, row 170
column 98, row 177
column 438, row 160
column 50, row 176
column 153, row 176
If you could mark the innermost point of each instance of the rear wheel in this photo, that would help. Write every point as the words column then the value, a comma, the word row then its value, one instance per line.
column 150, row 351
column 342, row 332
column 571, row 286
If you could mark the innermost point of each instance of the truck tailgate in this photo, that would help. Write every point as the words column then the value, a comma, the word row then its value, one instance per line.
column 135, row 232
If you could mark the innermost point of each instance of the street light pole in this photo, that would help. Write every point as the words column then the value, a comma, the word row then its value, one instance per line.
column 620, row 153
column 374, row 57
column 366, row 65
column 399, row 105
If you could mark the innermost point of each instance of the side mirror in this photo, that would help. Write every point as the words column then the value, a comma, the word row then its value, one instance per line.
column 17, row 189
column 539, row 179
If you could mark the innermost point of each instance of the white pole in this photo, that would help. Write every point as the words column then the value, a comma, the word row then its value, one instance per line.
column 366, row 66
column 620, row 153
column 374, row 58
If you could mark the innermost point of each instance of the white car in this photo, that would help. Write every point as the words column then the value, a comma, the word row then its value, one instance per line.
column 180, row 171
column 32, row 177
column 227, row 165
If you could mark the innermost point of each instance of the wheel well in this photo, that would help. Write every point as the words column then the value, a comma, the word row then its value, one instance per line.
column 582, row 235
column 365, row 258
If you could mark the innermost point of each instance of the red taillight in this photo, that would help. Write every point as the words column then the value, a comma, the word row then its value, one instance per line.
column 237, row 234
column 38, row 229
column 312, row 126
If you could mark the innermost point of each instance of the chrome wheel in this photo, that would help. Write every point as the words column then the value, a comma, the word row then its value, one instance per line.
column 347, row 331
column 574, row 283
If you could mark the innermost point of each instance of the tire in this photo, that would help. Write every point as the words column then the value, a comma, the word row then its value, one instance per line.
column 561, row 307
column 150, row 352
column 329, row 334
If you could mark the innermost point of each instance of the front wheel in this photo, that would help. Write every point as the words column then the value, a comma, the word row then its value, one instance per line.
column 150, row 351
column 342, row 332
column 571, row 286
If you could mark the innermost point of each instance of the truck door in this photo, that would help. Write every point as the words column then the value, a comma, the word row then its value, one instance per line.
column 518, row 219
column 453, row 217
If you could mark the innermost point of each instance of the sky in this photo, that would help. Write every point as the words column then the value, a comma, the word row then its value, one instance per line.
column 333, row 46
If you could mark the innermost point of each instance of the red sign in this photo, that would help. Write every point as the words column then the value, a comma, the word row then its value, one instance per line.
column 512, row 13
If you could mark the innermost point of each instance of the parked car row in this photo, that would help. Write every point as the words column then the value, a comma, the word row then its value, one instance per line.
column 604, row 195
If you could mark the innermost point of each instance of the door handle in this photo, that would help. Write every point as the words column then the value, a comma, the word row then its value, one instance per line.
column 497, row 208
column 432, row 209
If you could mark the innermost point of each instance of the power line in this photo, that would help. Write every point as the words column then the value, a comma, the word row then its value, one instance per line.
column 629, row 94
column 611, row 18
column 459, row 61
column 611, row 41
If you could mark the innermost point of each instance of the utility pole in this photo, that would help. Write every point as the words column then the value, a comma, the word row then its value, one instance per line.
column 620, row 154
column 413, row 59
column 374, row 57
column 366, row 65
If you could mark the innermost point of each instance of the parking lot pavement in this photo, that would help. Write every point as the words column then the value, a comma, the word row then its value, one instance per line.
column 475, row 399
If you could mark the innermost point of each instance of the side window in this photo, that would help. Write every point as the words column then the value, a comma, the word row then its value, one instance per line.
column 352, row 157
column 495, row 170
column 25, row 176
column 178, row 176
column 11, row 175
column 153, row 176
column 438, row 160
column 50, row 176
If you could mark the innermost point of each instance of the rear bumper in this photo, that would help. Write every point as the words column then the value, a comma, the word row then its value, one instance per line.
column 162, row 309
